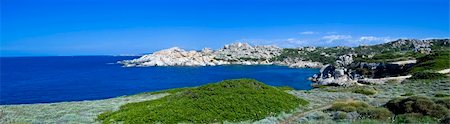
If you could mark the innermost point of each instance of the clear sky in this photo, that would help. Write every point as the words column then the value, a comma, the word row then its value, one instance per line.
column 112, row 27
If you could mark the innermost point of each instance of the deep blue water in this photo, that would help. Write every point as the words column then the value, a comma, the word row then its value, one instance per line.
column 55, row 79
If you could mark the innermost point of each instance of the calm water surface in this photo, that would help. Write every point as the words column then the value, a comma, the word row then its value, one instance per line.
column 27, row 80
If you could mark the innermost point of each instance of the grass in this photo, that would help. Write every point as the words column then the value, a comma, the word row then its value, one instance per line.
column 412, row 118
column 390, row 57
column 441, row 95
column 230, row 100
column 427, row 75
column 365, row 91
column 285, row 88
column 170, row 91
column 420, row 105
column 408, row 94
column 348, row 106
column 436, row 61
column 365, row 110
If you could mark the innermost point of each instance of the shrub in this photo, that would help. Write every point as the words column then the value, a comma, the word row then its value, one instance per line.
column 365, row 91
column 444, row 102
column 441, row 95
column 339, row 115
column 433, row 62
column 229, row 100
column 408, row 94
column 412, row 118
column 417, row 104
column 445, row 120
column 348, row 106
column 376, row 113
column 364, row 109
column 428, row 75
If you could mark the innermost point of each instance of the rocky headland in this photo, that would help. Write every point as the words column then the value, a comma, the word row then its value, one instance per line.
column 236, row 53
column 343, row 66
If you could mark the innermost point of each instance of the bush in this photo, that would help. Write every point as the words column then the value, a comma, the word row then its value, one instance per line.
column 340, row 115
column 441, row 95
column 428, row 75
column 413, row 118
column 229, row 100
column 348, row 106
column 444, row 102
column 376, row 113
column 434, row 62
column 365, row 91
column 362, row 108
column 445, row 120
column 408, row 94
column 417, row 104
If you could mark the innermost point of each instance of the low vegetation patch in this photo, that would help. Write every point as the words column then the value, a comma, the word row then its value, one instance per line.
column 229, row 100
column 428, row 75
column 284, row 88
column 408, row 94
column 441, row 95
column 365, row 110
column 418, row 105
column 348, row 106
column 437, row 61
column 390, row 57
column 365, row 91
column 412, row 118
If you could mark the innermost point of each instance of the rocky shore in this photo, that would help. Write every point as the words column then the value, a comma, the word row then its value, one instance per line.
column 236, row 53
column 343, row 66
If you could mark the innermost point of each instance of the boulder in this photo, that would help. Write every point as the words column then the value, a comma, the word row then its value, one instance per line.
column 331, row 75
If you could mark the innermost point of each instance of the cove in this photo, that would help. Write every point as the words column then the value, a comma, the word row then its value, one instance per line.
column 27, row 80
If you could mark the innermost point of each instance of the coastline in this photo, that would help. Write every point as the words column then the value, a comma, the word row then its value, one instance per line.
column 87, row 111
column 68, row 112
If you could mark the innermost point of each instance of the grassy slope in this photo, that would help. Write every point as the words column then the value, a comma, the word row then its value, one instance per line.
column 437, row 61
column 229, row 100
column 386, row 52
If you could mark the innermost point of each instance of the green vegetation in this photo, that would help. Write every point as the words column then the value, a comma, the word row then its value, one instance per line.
column 321, row 54
column 229, row 100
column 411, row 118
column 428, row 75
column 441, row 95
column 408, row 94
column 284, row 88
column 390, row 57
column 365, row 91
column 436, row 61
column 171, row 91
column 443, row 101
column 366, row 111
column 348, row 106
column 419, row 105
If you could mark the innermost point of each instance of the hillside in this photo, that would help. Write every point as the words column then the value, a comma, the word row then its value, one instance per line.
column 229, row 100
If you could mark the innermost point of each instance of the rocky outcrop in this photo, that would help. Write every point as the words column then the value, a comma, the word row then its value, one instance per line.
column 299, row 63
column 243, row 53
column 236, row 53
column 174, row 57
column 331, row 75
column 345, row 60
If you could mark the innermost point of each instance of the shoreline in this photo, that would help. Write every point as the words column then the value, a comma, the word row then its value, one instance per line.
column 87, row 111
column 68, row 112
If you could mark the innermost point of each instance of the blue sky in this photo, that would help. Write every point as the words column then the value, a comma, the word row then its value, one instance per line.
column 112, row 27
